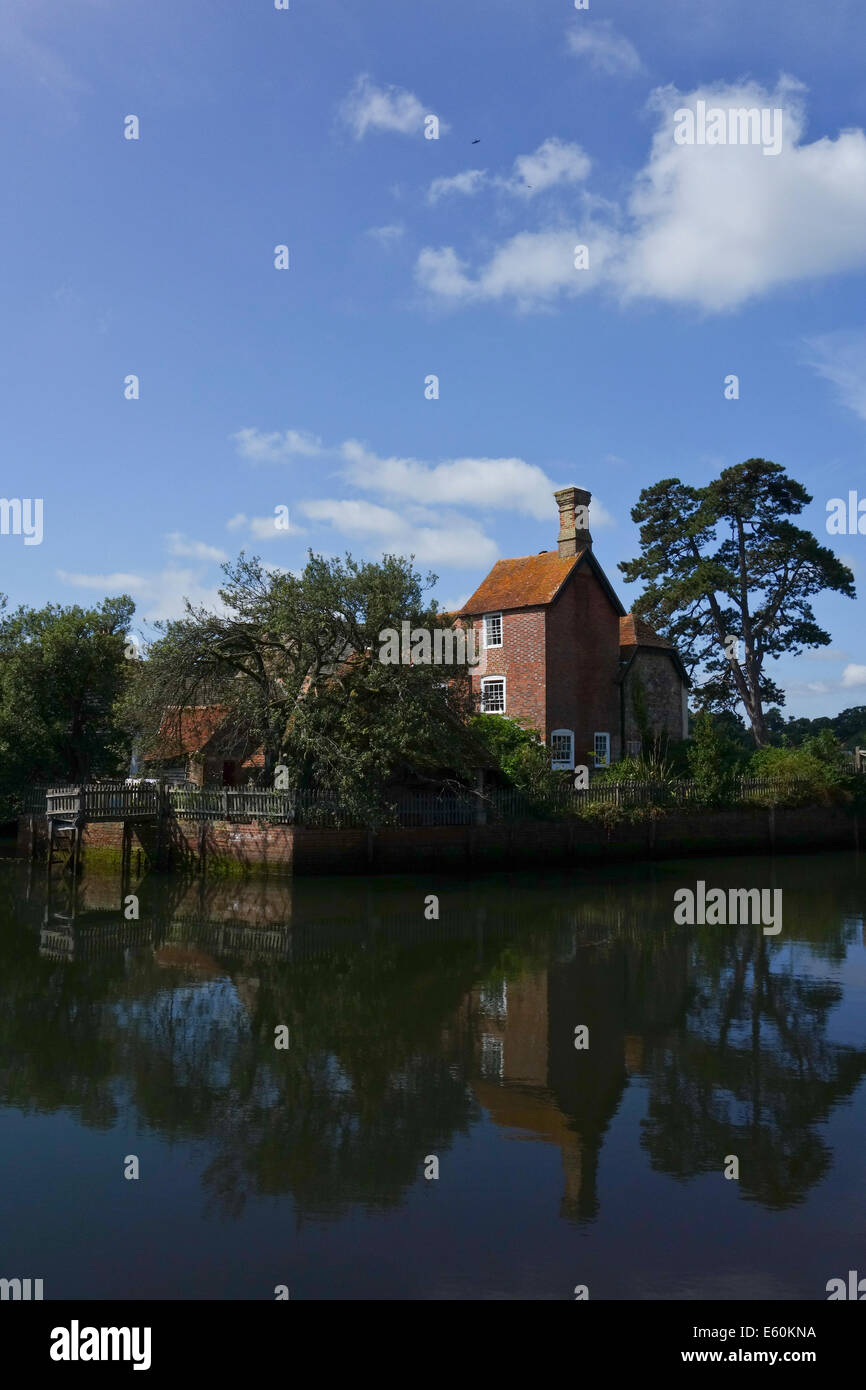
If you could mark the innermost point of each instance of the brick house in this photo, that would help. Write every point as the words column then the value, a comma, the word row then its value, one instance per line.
column 197, row 744
column 561, row 653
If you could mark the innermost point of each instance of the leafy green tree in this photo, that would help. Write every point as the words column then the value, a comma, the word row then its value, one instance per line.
column 729, row 580
column 713, row 762
column 295, row 662
column 62, row 674
column 515, row 750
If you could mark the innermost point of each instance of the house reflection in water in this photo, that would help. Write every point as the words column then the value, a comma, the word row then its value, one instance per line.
column 531, row 1079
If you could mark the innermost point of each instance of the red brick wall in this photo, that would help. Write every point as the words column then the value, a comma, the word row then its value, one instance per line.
column 583, row 661
column 283, row 849
column 521, row 660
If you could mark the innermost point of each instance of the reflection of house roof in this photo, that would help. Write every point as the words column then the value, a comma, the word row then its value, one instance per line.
column 634, row 632
column 526, row 582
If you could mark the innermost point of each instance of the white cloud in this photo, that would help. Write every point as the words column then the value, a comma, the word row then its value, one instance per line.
column 157, row 595
column 468, row 182
column 607, row 51
column 501, row 484
column 825, row 654
column 853, row 677
column 276, row 447
column 711, row 226
column 532, row 268
column 368, row 107
column 716, row 225
column 178, row 544
column 116, row 582
column 841, row 359
column 387, row 236
column 554, row 162
column 263, row 528
column 454, row 542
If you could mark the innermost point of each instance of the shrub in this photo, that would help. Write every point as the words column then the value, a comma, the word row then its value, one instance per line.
column 814, row 773
column 714, row 762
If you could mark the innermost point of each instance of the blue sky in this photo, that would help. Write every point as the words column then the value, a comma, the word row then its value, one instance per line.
column 408, row 256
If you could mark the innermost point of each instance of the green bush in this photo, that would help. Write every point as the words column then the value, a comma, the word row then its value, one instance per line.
column 816, row 773
column 714, row 763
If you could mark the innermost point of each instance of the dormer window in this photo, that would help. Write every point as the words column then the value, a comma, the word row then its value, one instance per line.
column 493, row 629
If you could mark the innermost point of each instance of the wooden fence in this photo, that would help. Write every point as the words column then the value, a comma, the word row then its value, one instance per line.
column 145, row 801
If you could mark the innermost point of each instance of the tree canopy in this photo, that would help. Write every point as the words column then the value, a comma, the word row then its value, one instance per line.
column 729, row 580
column 62, row 673
column 294, row 661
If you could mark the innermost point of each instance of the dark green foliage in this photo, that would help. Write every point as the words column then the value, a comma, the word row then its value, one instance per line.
column 714, row 763
column 723, row 563
column 62, row 674
column 295, row 662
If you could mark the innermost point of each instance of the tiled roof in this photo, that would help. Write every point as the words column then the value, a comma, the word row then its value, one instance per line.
column 634, row 632
column 527, row 582
column 186, row 730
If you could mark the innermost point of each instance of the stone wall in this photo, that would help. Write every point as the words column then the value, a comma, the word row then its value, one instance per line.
column 662, row 688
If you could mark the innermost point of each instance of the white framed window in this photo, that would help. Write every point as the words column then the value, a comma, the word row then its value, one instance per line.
column 562, row 749
column 493, row 695
column 632, row 748
column 493, row 629
column 602, row 749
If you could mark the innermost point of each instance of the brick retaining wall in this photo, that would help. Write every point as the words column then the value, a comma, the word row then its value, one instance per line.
column 225, row 846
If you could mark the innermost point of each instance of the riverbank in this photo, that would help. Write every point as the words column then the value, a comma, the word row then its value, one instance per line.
column 259, row 847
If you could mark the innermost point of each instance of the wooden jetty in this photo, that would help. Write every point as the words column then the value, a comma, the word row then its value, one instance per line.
column 69, row 809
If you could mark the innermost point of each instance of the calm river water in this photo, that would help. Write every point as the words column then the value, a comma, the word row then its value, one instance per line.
column 412, row 1040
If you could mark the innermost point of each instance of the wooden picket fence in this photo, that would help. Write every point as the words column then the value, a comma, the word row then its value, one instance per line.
column 103, row 801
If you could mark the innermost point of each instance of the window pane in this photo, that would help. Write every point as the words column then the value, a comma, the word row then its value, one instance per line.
column 493, row 630
column 493, row 697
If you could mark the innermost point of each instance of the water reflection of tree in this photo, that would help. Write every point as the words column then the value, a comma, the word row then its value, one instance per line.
column 383, row 1041
column 749, row 1071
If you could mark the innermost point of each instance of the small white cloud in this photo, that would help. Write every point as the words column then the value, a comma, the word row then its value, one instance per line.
column 276, row 447
column 263, row 528
column 453, row 605
column 853, row 677
column 554, row 162
column 368, row 107
column 116, row 582
column 532, row 268
column 825, row 654
column 158, row 595
column 387, row 236
column 606, row 50
column 488, row 484
column 467, row 183
column 453, row 543
column 178, row 544
column 841, row 359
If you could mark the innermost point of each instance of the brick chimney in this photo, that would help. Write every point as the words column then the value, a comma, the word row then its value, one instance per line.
column 573, row 503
